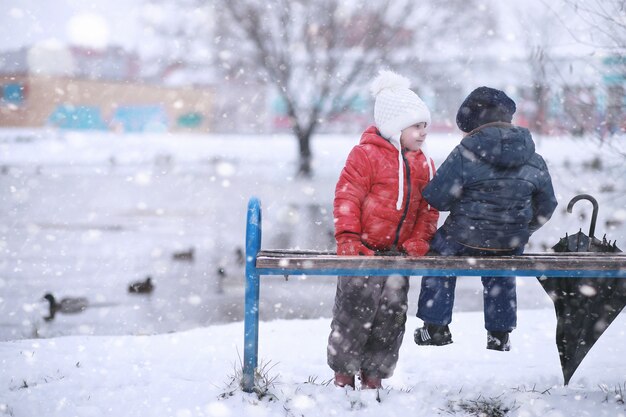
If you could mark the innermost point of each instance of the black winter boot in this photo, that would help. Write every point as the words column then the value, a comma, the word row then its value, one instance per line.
column 432, row 335
column 498, row 341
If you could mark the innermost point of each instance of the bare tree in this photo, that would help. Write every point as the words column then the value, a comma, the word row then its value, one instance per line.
column 318, row 54
column 601, row 24
column 179, row 31
column 606, row 21
column 538, row 41
column 541, row 41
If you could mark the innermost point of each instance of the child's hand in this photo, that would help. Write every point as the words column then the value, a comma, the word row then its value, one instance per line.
column 415, row 247
column 353, row 248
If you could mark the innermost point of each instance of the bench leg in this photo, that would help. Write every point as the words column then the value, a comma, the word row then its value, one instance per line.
column 251, row 331
column 251, row 313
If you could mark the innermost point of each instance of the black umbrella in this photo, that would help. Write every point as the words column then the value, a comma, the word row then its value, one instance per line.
column 585, row 307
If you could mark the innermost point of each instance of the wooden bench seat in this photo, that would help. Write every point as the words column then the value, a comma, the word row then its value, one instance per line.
column 307, row 262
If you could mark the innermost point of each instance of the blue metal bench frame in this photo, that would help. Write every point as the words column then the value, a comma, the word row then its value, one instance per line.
column 306, row 263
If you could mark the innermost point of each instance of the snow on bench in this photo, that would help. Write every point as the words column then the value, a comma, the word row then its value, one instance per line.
column 305, row 262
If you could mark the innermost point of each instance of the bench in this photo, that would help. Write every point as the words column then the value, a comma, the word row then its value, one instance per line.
column 305, row 262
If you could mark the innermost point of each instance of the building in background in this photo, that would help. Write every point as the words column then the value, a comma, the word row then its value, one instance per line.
column 83, row 88
column 112, row 89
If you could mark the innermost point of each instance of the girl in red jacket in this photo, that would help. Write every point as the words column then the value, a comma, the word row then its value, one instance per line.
column 379, row 210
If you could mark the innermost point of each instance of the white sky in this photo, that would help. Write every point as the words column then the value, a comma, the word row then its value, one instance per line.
column 27, row 22
column 119, row 22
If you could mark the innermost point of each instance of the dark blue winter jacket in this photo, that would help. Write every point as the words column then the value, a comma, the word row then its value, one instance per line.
column 497, row 189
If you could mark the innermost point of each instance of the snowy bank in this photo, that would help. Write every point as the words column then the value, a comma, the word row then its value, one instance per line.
column 190, row 374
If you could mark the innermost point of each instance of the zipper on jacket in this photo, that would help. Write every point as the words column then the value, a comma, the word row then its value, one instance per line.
column 407, row 169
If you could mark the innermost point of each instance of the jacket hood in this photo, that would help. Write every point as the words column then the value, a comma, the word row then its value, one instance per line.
column 500, row 144
column 372, row 136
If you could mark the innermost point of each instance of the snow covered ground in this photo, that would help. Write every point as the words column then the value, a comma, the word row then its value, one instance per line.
column 85, row 214
column 190, row 373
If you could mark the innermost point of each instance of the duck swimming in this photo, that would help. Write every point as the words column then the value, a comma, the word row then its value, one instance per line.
column 142, row 287
column 187, row 256
column 68, row 305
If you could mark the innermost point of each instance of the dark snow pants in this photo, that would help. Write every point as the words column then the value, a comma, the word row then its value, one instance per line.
column 436, row 297
column 368, row 325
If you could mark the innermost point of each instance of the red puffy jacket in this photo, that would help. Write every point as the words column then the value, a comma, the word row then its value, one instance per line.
column 366, row 195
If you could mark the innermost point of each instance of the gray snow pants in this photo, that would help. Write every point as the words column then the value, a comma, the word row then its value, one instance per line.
column 368, row 325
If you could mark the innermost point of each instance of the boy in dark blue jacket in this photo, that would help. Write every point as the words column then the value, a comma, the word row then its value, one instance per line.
column 498, row 191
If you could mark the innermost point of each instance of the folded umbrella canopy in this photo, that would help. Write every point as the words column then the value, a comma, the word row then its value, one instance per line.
column 585, row 307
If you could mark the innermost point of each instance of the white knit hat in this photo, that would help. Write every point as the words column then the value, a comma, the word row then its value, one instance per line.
column 396, row 108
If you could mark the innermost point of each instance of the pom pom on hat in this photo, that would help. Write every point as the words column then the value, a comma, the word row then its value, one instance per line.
column 484, row 105
column 388, row 79
column 396, row 107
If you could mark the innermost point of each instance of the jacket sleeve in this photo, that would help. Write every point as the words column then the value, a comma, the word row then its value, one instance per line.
column 544, row 201
column 447, row 186
column 352, row 187
column 425, row 227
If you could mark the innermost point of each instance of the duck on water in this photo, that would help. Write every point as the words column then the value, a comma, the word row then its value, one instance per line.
column 142, row 287
column 68, row 305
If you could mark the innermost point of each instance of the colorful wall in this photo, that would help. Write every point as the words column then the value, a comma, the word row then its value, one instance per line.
column 36, row 101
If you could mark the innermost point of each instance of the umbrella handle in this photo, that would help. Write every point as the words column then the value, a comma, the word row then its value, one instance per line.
column 594, row 216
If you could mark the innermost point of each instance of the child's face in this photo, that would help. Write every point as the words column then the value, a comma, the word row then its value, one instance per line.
column 413, row 137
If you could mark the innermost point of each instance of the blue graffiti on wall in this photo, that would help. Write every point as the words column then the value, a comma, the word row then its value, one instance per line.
column 12, row 93
column 67, row 116
column 140, row 118
column 126, row 118
column 191, row 120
